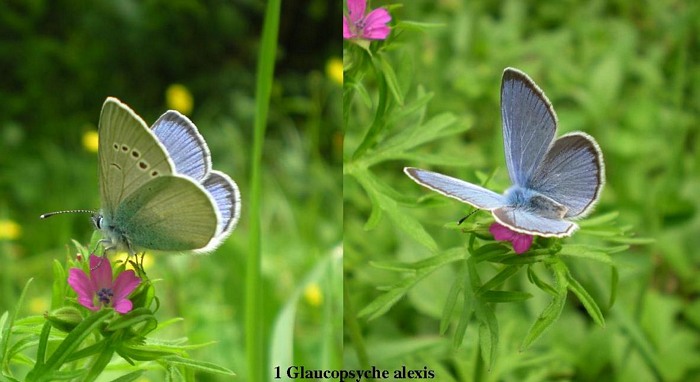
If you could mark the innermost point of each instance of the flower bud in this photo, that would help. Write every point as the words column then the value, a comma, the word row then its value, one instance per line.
column 64, row 319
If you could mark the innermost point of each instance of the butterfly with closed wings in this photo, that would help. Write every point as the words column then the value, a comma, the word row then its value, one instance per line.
column 158, row 190
column 554, row 180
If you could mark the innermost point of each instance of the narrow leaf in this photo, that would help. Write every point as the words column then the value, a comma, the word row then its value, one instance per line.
column 199, row 365
column 586, row 299
column 391, row 80
column 552, row 312
column 504, row 296
column 449, row 306
column 501, row 277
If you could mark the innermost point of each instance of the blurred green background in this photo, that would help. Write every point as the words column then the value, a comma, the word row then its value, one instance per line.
column 625, row 72
column 59, row 61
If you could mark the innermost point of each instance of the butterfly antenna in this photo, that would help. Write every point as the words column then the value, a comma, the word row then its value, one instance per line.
column 50, row 214
column 465, row 218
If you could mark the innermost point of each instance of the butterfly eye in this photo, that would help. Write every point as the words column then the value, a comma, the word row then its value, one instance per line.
column 97, row 221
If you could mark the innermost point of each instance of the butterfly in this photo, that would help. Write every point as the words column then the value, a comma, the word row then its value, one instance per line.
column 157, row 188
column 553, row 180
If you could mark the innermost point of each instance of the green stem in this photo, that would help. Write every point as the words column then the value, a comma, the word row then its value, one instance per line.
column 352, row 328
column 254, row 313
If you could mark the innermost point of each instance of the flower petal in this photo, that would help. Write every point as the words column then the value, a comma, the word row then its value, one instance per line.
column 123, row 306
column 376, row 33
column 501, row 232
column 80, row 283
column 100, row 272
column 356, row 9
column 88, row 303
column 125, row 283
column 522, row 243
column 378, row 17
column 375, row 25
column 347, row 33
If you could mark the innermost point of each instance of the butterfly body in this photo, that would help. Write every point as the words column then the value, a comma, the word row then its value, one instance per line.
column 535, row 202
column 554, row 180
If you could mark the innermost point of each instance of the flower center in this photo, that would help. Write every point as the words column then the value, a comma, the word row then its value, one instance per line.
column 105, row 295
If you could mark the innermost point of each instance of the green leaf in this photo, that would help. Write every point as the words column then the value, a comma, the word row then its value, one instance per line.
column 489, row 251
column 613, row 285
column 406, row 139
column 88, row 351
column 390, row 78
column 417, row 26
column 586, row 299
column 599, row 219
column 446, row 257
column 70, row 344
column 586, row 252
column 4, row 344
column 199, row 365
column 147, row 352
column 134, row 375
column 532, row 276
column 449, row 306
column 504, row 296
column 58, row 289
column 501, row 277
column 488, row 333
column 43, row 343
column 99, row 364
column 408, row 224
column 383, row 303
column 465, row 317
column 552, row 312
column 139, row 320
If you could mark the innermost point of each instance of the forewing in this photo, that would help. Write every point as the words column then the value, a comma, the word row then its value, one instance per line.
column 186, row 147
column 520, row 220
column 529, row 125
column 227, row 199
column 169, row 213
column 129, row 154
column 572, row 173
column 474, row 195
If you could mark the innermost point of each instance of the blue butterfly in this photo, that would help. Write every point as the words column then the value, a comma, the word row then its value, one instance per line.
column 157, row 185
column 554, row 180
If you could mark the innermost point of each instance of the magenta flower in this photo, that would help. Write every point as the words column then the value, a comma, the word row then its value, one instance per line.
column 99, row 289
column 521, row 241
column 371, row 27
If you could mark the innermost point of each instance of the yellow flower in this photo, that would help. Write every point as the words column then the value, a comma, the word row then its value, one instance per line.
column 146, row 262
column 90, row 141
column 313, row 294
column 178, row 97
column 9, row 230
column 38, row 305
column 334, row 70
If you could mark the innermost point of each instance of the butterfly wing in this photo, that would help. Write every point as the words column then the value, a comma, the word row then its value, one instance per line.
column 529, row 125
column 169, row 213
column 129, row 154
column 227, row 200
column 474, row 195
column 524, row 221
column 572, row 173
column 186, row 147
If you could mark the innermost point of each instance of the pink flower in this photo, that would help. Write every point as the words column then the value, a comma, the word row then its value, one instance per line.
column 99, row 289
column 521, row 241
column 371, row 27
